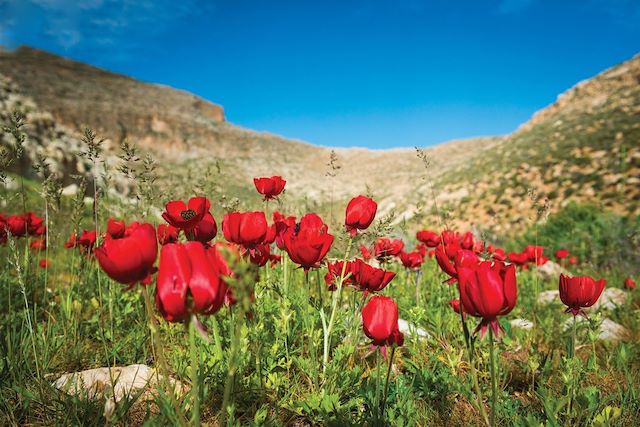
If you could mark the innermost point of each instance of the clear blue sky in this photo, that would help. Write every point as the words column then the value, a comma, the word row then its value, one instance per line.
column 345, row 73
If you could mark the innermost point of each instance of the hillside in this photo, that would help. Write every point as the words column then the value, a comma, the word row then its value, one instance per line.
column 584, row 147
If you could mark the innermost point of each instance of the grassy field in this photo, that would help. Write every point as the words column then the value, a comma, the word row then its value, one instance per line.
column 260, row 362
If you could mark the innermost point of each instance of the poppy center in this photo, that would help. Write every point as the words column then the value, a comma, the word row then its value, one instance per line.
column 296, row 229
column 188, row 214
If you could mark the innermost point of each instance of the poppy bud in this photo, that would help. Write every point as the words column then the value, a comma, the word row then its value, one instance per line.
column 561, row 254
column 380, row 321
column 629, row 283
column 360, row 213
column 188, row 269
column 245, row 228
column 488, row 290
column 130, row 258
column 580, row 292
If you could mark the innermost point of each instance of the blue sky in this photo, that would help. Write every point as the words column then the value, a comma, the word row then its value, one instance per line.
column 345, row 73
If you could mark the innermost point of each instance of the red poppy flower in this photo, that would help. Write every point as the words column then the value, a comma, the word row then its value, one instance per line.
column 360, row 213
column 411, row 260
column 499, row 255
column 72, row 242
column 308, row 242
column 183, row 216
column 17, row 225
column 580, row 292
column 115, row 228
column 380, row 321
column 3, row 229
column 206, row 229
column 455, row 305
column 188, row 281
column 39, row 244
column 429, row 238
column 167, row 234
column 130, row 258
column 269, row 187
column 445, row 263
column 385, row 247
column 334, row 272
column 489, row 290
column 44, row 263
column 281, row 223
column 366, row 253
column 245, row 228
column 370, row 279
column 260, row 254
column 520, row 259
column 87, row 239
column 629, row 283
column 561, row 254
column 35, row 224
column 533, row 252
column 573, row 260
column 467, row 241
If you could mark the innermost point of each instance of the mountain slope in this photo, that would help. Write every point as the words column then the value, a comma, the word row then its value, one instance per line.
column 583, row 147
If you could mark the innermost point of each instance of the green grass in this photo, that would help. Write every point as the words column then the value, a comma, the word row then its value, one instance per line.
column 79, row 320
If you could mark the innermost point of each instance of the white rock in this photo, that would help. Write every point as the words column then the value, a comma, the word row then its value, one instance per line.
column 521, row 324
column 411, row 329
column 608, row 331
column 111, row 384
column 70, row 190
column 610, row 299
column 551, row 270
column 547, row 297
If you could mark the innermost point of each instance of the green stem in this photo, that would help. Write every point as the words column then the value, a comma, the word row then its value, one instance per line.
column 195, row 381
column 377, row 379
column 386, row 383
column 334, row 307
column 236, row 324
column 158, row 355
column 474, row 374
column 572, row 349
column 494, row 379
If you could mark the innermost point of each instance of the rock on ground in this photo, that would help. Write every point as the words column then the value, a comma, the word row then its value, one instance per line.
column 521, row 324
column 411, row 329
column 112, row 384
column 608, row 331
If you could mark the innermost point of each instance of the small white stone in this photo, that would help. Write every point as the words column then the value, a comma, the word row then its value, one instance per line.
column 521, row 324
column 411, row 329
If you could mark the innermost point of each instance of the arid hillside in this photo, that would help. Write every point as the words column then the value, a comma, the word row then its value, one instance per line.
column 586, row 146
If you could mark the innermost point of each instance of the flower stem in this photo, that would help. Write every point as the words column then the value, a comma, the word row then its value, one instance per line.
column 474, row 374
column 572, row 349
column 377, row 378
column 386, row 383
column 494, row 379
column 334, row 306
column 157, row 350
column 231, row 369
column 195, row 381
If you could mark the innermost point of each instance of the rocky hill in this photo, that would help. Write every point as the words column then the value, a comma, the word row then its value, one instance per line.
column 583, row 147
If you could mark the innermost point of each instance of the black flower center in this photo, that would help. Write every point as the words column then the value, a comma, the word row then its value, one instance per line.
column 296, row 229
column 188, row 214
